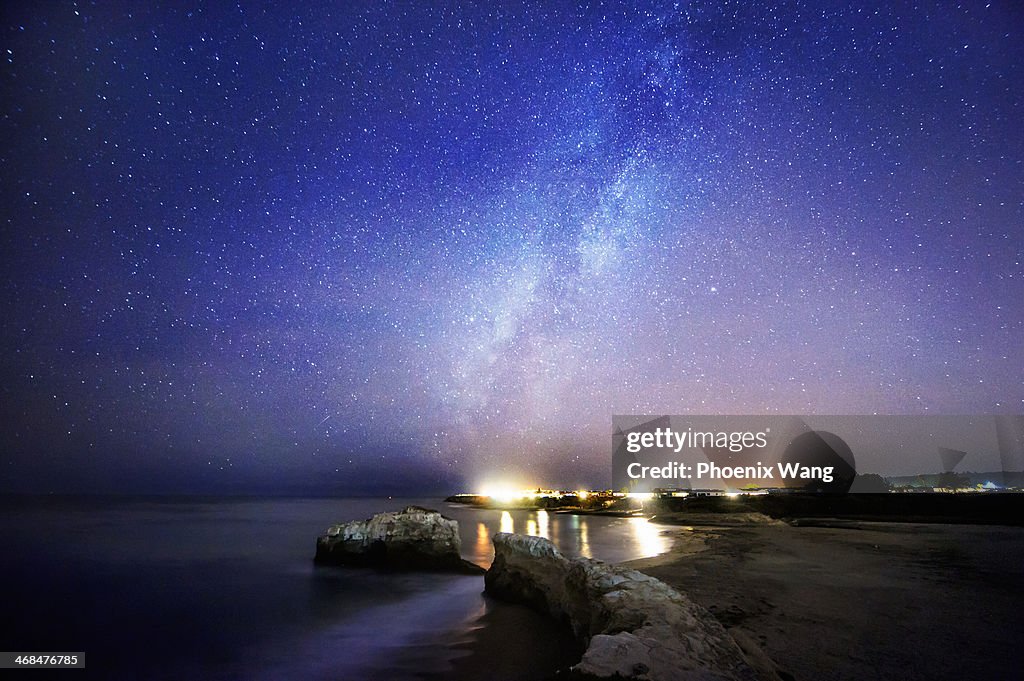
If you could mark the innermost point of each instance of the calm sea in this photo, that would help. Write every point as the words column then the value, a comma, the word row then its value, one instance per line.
column 225, row 588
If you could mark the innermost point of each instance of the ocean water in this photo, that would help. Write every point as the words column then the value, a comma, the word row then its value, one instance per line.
column 226, row 589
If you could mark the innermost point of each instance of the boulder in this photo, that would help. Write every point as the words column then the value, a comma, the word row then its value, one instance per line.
column 412, row 539
column 634, row 626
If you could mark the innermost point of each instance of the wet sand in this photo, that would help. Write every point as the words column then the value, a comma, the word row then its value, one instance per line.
column 512, row 643
column 867, row 600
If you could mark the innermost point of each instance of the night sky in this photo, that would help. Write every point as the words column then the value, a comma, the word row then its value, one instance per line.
column 392, row 246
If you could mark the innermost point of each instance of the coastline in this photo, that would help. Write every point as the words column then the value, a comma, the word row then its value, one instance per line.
column 868, row 599
column 871, row 600
column 493, row 648
column 822, row 599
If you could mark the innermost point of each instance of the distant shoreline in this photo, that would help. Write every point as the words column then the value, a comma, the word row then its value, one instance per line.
column 944, row 508
column 935, row 507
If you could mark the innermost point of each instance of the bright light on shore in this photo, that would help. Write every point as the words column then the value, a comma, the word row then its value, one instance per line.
column 504, row 494
column 642, row 496
column 501, row 493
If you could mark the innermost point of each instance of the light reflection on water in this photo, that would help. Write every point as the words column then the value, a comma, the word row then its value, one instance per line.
column 605, row 538
column 648, row 536
column 483, row 540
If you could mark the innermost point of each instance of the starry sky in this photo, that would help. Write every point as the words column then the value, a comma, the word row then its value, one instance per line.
column 375, row 247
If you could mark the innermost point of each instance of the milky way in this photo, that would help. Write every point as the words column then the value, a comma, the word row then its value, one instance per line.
column 397, row 246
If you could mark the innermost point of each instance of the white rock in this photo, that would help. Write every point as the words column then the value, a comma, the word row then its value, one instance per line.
column 412, row 539
column 635, row 626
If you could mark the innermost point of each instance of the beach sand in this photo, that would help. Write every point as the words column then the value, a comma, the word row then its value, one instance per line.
column 512, row 643
column 866, row 600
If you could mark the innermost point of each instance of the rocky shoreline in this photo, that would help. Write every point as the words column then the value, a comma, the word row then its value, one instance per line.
column 633, row 625
column 628, row 624
column 745, row 596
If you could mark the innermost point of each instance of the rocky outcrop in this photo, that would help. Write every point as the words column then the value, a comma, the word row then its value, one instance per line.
column 634, row 626
column 412, row 539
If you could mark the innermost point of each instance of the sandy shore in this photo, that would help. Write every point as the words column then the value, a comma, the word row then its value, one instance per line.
column 512, row 643
column 864, row 601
